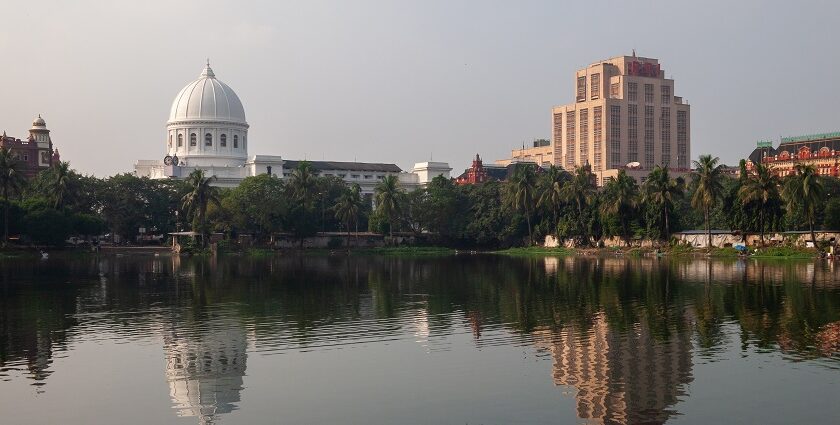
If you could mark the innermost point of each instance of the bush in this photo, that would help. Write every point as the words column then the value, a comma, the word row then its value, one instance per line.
column 46, row 226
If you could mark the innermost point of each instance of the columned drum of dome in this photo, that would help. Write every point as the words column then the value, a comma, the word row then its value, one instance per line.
column 210, row 109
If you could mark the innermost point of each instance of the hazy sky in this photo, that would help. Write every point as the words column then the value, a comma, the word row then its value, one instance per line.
column 402, row 81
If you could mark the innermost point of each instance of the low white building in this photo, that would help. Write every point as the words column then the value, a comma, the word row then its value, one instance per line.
column 207, row 130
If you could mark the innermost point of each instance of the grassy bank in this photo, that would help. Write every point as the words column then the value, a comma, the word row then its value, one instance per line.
column 771, row 252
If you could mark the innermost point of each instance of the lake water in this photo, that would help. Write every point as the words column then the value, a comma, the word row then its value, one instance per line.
column 481, row 339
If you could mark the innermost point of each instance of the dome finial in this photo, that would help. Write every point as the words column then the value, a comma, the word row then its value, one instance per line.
column 208, row 72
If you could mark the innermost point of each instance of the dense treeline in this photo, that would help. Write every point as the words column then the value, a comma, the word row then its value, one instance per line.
column 533, row 203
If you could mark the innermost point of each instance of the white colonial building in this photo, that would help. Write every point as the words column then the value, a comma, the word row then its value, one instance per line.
column 207, row 130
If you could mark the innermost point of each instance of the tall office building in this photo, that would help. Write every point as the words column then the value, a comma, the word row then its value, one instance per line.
column 625, row 115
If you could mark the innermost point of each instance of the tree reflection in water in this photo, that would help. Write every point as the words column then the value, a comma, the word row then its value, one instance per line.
column 621, row 332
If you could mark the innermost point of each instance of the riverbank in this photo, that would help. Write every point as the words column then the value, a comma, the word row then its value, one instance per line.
column 781, row 252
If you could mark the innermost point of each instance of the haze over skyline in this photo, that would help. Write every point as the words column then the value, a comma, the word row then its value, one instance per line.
column 397, row 82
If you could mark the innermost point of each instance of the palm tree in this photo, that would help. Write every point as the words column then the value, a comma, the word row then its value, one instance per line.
column 662, row 191
column 59, row 183
column 579, row 191
column 347, row 208
column 389, row 199
column 805, row 189
column 551, row 192
column 304, row 183
column 12, row 182
column 762, row 187
column 196, row 200
column 708, row 183
column 620, row 199
column 520, row 192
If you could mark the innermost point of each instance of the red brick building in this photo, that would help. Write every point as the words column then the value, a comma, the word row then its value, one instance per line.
column 36, row 151
column 475, row 174
column 480, row 173
column 820, row 150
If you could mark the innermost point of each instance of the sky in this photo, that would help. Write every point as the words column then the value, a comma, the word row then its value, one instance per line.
column 404, row 81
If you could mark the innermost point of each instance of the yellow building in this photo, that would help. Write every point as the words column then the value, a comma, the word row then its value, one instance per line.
column 624, row 116
column 541, row 153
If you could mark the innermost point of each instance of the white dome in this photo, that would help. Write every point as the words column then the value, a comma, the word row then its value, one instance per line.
column 207, row 99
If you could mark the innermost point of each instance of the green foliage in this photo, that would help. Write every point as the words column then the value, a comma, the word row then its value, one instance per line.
column 45, row 225
column 831, row 220
column 760, row 191
column 11, row 184
column 520, row 193
column 258, row 205
column 533, row 203
column 389, row 200
column 804, row 191
column 787, row 252
column 620, row 201
column 660, row 193
column 708, row 182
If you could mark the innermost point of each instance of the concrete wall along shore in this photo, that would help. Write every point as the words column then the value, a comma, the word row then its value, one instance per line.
column 699, row 239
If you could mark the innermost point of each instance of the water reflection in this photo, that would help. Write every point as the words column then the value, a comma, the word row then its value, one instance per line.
column 205, row 366
column 623, row 335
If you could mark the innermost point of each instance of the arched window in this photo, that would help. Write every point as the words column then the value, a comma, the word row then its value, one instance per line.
column 244, row 142
column 223, row 140
column 192, row 139
column 170, row 141
column 208, row 139
column 180, row 140
column 235, row 141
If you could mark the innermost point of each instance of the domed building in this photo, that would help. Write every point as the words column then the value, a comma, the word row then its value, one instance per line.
column 207, row 125
column 207, row 130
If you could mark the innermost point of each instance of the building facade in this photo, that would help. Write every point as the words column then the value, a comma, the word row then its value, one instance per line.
column 625, row 115
column 207, row 130
column 541, row 153
column 479, row 173
column 819, row 150
column 36, row 153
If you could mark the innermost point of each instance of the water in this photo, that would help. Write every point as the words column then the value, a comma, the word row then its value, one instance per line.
column 464, row 340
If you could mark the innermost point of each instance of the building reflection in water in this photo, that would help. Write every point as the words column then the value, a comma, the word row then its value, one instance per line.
column 205, row 366
column 620, row 377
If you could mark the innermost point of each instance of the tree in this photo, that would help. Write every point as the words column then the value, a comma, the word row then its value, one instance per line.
column 195, row 202
column 445, row 207
column 304, row 184
column 761, row 188
column 805, row 190
column 551, row 193
column 347, row 209
column 520, row 192
column 59, row 183
column 831, row 220
column 12, row 182
column 388, row 199
column 708, row 188
column 661, row 191
column 579, row 191
column 620, row 200
column 257, row 205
